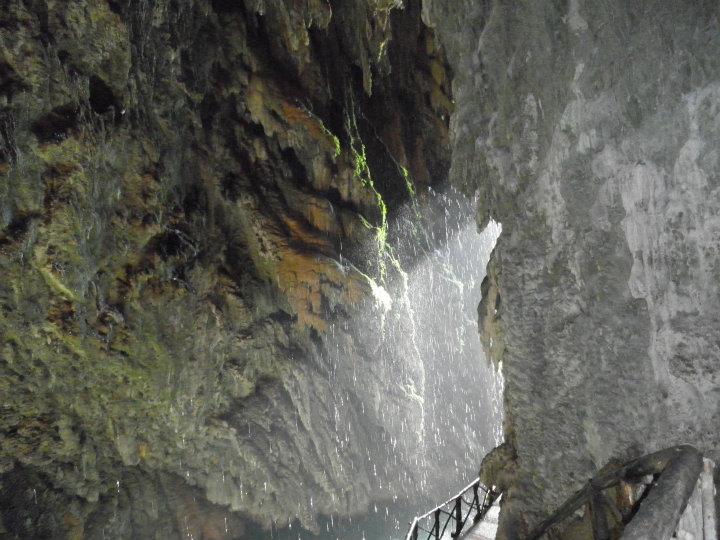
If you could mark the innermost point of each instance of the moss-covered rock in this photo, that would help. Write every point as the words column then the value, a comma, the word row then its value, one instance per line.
column 181, row 225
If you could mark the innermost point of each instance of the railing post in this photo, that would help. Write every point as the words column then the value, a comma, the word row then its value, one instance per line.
column 476, row 499
column 415, row 532
column 437, row 524
column 458, row 517
column 597, row 514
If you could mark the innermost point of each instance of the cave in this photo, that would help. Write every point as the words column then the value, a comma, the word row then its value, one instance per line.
column 359, row 270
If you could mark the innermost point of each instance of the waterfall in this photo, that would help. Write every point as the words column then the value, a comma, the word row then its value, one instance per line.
column 416, row 404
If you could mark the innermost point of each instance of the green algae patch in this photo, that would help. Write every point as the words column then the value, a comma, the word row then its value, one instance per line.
column 363, row 175
column 409, row 183
column 55, row 284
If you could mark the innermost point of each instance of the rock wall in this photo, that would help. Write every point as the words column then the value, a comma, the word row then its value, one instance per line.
column 591, row 131
column 196, row 200
column 196, row 207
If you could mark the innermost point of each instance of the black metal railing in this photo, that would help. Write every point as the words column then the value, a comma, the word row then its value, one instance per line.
column 474, row 500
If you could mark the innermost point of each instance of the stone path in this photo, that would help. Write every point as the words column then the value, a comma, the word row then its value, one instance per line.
column 486, row 529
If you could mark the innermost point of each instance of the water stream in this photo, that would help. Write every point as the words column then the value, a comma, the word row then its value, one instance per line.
column 423, row 381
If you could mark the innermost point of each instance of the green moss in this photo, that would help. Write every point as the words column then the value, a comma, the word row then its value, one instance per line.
column 362, row 174
column 366, row 223
column 409, row 184
column 382, row 50
column 73, row 344
column 56, row 285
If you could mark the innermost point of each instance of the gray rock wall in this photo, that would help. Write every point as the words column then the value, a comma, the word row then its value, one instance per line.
column 591, row 130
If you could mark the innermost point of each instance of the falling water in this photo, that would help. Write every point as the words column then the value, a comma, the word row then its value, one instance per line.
column 463, row 411
column 462, row 395
column 427, row 402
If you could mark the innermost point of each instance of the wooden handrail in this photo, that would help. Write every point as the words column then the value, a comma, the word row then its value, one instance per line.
column 677, row 469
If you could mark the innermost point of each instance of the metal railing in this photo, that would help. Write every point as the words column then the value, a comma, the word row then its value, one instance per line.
column 456, row 511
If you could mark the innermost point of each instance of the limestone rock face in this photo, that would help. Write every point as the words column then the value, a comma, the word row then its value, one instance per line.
column 591, row 131
column 194, row 195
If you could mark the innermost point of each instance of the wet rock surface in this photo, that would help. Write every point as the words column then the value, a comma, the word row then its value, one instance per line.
column 196, row 206
column 591, row 132
column 198, row 203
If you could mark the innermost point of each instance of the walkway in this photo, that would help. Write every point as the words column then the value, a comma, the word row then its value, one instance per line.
column 487, row 527
column 454, row 516
column 667, row 494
